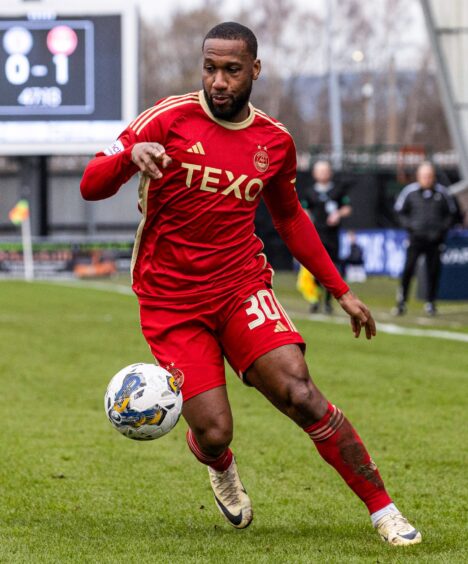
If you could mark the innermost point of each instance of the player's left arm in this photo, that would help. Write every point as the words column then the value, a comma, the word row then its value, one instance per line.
column 302, row 239
column 359, row 314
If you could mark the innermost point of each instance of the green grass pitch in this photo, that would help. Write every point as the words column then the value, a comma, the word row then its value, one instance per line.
column 74, row 490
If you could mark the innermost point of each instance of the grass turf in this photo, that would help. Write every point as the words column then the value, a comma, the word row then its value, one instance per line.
column 74, row 490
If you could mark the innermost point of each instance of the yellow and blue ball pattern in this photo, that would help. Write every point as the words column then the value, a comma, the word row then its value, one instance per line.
column 143, row 401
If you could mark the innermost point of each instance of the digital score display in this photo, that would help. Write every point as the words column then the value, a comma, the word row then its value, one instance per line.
column 68, row 78
column 48, row 68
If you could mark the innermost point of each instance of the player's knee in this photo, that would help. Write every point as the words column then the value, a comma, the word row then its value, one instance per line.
column 304, row 402
column 215, row 438
column 299, row 395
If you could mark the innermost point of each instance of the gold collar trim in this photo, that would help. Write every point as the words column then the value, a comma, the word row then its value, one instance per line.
column 227, row 124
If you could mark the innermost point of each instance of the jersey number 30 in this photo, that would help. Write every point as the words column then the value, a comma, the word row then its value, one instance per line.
column 262, row 307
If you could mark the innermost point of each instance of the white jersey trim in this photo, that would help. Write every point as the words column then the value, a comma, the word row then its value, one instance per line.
column 400, row 201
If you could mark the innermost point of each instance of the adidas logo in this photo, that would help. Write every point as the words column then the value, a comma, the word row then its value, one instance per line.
column 280, row 327
column 197, row 148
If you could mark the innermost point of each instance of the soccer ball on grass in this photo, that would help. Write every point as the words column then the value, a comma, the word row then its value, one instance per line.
column 143, row 401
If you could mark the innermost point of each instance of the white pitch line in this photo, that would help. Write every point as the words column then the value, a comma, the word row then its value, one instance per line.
column 389, row 328
column 102, row 286
column 434, row 333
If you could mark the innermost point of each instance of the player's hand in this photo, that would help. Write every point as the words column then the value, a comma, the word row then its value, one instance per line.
column 359, row 314
column 150, row 158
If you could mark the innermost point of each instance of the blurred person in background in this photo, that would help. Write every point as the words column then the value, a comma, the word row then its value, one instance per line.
column 354, row 265
column 427, row 211
column 328, row 203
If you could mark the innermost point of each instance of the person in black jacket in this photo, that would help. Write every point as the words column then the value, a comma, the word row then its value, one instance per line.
column 328, row 203
column 427, row 210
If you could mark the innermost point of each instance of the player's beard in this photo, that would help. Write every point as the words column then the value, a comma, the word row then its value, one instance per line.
column 231, row 110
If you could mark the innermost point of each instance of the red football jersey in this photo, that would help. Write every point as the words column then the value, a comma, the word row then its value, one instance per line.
column 197, row 230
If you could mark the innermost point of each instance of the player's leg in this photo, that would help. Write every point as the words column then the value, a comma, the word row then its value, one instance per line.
column 209, row 435
column 184, row 338
column 210, row 427
column 261, row 343
column 282, row 376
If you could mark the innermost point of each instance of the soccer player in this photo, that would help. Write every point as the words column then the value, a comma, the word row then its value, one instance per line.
column 205, row 287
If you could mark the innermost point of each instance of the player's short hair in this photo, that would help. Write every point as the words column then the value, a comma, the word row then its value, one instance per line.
column 234, row 30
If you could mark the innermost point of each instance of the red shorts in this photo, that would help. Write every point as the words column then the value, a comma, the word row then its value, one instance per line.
column 197, row 336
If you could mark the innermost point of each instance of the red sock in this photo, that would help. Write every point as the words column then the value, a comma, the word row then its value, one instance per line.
column 219, row 463
column 340, row 445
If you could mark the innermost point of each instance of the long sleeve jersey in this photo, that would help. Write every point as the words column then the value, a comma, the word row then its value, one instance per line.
column 197, row 229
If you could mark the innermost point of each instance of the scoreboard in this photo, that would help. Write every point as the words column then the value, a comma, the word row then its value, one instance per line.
column 68, row 76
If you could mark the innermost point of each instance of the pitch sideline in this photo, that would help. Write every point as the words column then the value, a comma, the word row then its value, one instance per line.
column 389, row 328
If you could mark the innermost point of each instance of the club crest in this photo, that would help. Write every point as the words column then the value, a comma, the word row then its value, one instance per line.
column 261, row 160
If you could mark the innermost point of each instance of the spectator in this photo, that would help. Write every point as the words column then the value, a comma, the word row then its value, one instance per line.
column 427, row 210
column 328, row 203
column 354, row 262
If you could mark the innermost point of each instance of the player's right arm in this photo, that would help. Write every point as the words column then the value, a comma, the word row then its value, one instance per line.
column 139, row 148
column 106, row 173
column 111, row 168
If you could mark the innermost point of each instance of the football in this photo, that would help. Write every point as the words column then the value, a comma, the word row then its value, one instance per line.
column 143, row 401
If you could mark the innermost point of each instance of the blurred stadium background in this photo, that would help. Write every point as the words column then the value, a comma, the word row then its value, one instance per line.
column 376, row 87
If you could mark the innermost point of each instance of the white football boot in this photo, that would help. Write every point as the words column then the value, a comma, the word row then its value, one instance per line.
column 394, row 529
column 230, row 496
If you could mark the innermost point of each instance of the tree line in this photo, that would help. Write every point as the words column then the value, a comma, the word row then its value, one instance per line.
column 386, row 73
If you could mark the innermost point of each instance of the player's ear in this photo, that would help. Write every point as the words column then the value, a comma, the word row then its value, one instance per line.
column 257, row 67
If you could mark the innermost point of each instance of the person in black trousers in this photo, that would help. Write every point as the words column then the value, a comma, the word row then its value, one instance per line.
column 329, row 203
column 427, row 210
